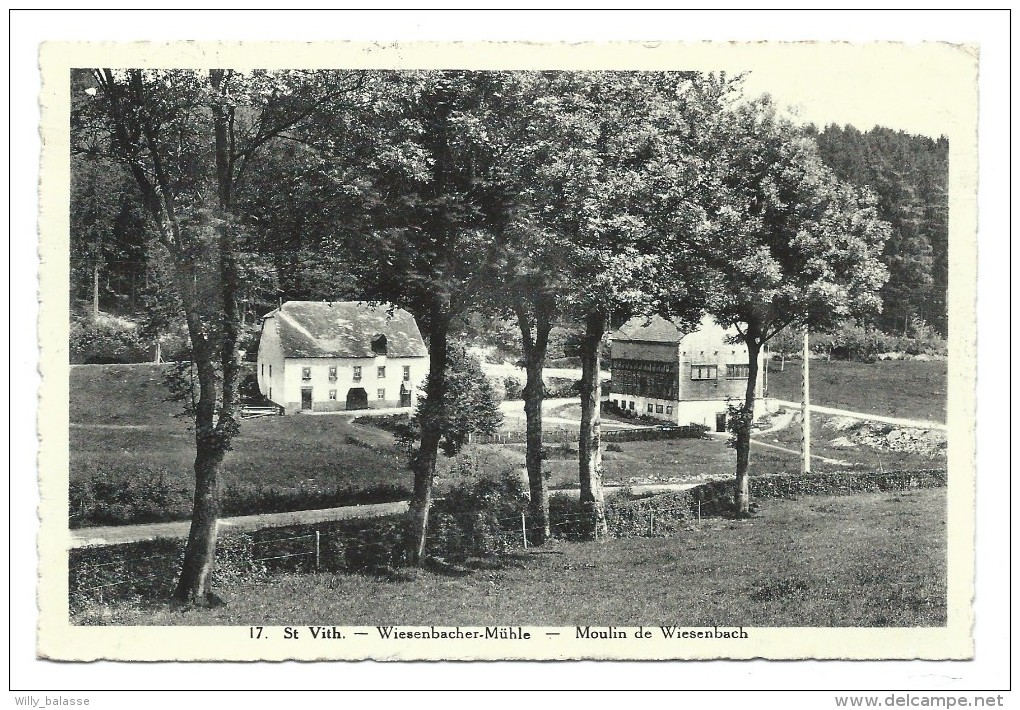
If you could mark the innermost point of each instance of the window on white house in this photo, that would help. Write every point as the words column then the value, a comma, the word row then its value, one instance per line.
column 407, row 373
column 669, row 409
column 357, row 373
column 380, row 394
column 263, row 369
column 332, row 374
column 306, row 373
column 704, row 372
column 658, row 409
column 632, row 406
column 738, row 372
column 650, row 409
column 270, row 369
column 332, row 394
column 381, row 372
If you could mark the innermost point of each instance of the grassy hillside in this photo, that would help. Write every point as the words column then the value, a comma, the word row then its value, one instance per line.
column 895, row 388
column 127, row 444
column 864, row 560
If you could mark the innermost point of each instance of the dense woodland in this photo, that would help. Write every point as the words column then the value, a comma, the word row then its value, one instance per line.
column 200, row 199
column 909, row 175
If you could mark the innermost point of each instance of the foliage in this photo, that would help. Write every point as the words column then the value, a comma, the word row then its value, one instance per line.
column 909, row 175
column 557, row 387
column 512, row 388
column 801, row 247
column 151, row 495
column 156, row 495
column 476, row 518
column 865, row 343
column 626, row 516
column 470, row 405
column 105, row 342
column 716, row 498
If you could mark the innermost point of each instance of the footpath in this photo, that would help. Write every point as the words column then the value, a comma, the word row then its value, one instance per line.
column 117, row 534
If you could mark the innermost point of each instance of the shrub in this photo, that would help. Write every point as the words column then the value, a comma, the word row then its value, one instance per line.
column 625, row 516
column 614, row 447
column 103, row 498
column 476, row 518
column 248, row 390
column 512, row 388
column 371, row 547
column 146, row 497
column 716, row 497
column 105, row 342
column 470, row 405
column 561, row 387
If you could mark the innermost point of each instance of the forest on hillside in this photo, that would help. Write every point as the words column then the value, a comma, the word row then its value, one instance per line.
column 909, row 174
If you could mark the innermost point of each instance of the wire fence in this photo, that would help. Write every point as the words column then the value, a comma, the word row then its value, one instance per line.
column 101, row 574
column 566, row 436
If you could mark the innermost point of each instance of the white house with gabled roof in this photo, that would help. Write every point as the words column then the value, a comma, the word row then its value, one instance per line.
column 331, row 356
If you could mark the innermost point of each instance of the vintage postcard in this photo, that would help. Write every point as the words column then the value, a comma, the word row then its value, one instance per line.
column 500, row 351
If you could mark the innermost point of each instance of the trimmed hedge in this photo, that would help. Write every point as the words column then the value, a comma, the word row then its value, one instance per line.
column 153, row 495
column 716, row 497
column 625, row 517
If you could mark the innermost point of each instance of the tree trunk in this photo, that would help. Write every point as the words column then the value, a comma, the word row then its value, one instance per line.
column 534, row 392
column 743, row 421
column 424, row 462
column 589, row 443
column 195, row 583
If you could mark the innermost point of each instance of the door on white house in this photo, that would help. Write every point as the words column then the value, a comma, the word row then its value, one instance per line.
column 357, row 398
column 306, row 398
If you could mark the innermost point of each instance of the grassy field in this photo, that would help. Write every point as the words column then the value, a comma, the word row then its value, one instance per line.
column 122, row 430
column 864, row 560
column 894, row 388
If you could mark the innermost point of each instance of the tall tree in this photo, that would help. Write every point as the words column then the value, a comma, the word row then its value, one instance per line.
column 800, row 247
column 187, row 138
column 433, row 239
column 626, row 185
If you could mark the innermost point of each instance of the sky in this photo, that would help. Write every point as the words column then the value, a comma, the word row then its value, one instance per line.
column 898, row 98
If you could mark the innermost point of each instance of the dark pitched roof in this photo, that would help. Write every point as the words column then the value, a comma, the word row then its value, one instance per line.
column 345, row 329
column 655, row 329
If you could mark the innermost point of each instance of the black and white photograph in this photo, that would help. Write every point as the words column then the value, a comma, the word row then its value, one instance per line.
column 507, row 352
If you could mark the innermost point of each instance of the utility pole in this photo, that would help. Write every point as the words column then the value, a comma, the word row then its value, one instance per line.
column 806, row 407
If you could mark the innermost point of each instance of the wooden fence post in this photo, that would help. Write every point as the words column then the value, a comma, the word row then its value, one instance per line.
column 316, row 550
column 524, row 530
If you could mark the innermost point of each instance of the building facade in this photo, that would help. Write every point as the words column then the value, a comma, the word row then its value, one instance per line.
column 681, row 378
column 333, row 356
